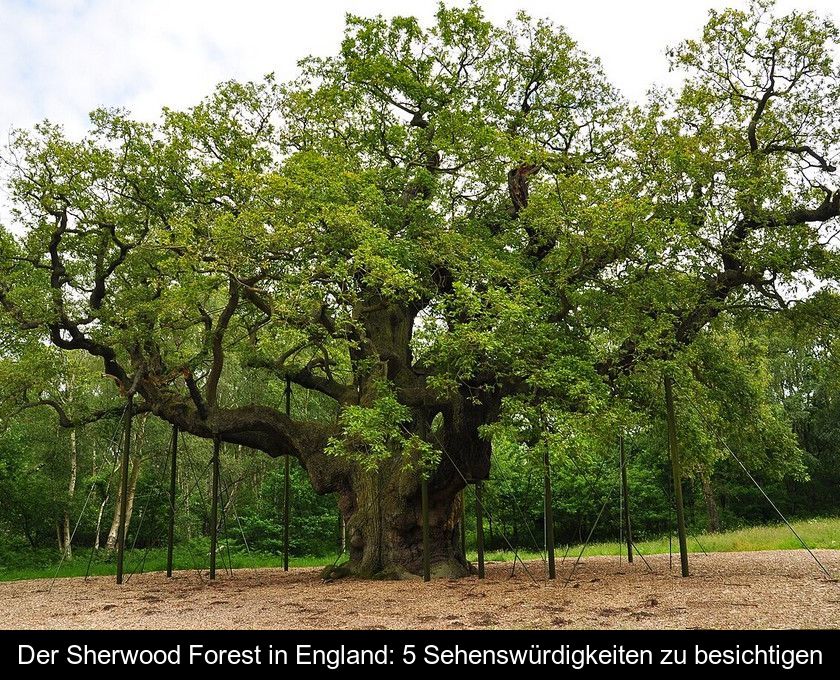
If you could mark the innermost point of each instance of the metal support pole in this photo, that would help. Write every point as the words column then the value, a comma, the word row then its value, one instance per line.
column 548, row 514
column 677, row 472
column 424, row 499
column 625, row 495
column 126, row 452
column 479, row 528
column 286, row 485
column 463, row 527
column 173, row 472
column 214, row 507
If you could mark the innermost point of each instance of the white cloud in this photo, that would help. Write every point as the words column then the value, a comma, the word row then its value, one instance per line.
column 61, row 58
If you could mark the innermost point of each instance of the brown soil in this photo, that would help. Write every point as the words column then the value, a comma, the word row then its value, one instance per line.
column 773, row 589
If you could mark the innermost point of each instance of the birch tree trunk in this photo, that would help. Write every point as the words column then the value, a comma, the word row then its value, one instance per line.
column 99, row 521
column 71, row 493
column 134, row 475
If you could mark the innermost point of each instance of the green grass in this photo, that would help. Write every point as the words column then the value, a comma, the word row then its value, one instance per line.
column 44, row 563
column 817, row 533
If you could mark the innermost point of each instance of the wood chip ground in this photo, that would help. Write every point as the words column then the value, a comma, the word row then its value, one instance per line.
column 772, row 589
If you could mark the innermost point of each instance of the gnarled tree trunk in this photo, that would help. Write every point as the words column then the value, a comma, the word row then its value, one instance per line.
column 382, row 509
column 384, row 525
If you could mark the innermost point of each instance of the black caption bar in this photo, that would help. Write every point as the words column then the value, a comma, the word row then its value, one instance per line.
column 783, row 651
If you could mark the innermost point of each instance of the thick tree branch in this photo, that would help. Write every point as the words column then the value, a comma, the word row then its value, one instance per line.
column 195, row 394
column 212, row 386
column 801, row 150
column 67, row 422
column 518, row 180
column 103, row 272
column 259, row 427
column 762, row 105
column 305, row 377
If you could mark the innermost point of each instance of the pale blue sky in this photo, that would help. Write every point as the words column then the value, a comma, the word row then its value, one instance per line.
column 61, row 58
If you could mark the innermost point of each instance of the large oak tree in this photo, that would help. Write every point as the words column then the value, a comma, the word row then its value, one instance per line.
column 438, row 229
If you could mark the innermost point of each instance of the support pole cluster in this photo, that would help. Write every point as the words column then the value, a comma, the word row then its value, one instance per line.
column 479, row 504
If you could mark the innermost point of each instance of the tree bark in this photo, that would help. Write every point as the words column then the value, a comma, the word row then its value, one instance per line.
column 71, row 493
column 711, row 503
column 27, row 532
column 96, row 542
column 384, row 525
column 134, row 475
